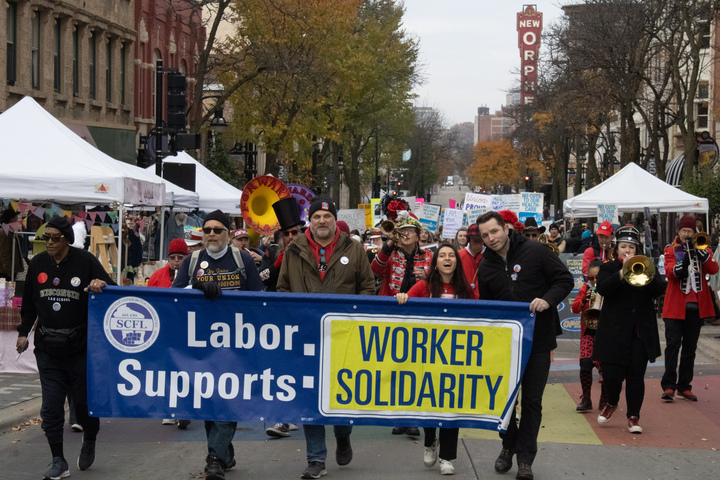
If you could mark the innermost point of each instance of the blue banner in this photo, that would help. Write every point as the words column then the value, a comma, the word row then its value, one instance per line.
column 325, row 359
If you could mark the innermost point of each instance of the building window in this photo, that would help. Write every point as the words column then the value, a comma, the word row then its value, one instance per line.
column 122, row 74
column 35, row 61
column 76, row 62
column 703, row 91
column 108, row 71
column 702, row 115
column 56, row 56
column 91, row 64
column 11, row 38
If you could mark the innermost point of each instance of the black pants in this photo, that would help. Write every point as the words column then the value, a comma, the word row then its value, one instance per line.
column 634, row 376
column 685, row 334
column 58, row 377
column 523, row 439
column 448, row 441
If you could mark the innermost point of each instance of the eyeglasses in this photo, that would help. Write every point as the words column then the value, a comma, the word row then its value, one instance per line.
column 293, row 232
column 54, row 238
column 216, row 230
column 531, row 235
column 176, row 257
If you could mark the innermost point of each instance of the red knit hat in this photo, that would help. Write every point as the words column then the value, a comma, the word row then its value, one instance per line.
column 178, row 245
column 509, row 216
column 687, row 221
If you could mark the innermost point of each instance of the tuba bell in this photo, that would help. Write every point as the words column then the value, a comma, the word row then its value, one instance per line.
column 388, row 228
column 639, row 271
column 701, row 241
column 545, row 240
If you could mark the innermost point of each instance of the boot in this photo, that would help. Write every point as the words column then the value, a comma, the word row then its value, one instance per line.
column 603, row 397
column 585, row 404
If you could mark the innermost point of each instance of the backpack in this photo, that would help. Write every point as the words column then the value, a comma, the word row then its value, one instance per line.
column 236, row 255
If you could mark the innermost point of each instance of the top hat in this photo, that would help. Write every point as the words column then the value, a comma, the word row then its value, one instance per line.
column 286, row 210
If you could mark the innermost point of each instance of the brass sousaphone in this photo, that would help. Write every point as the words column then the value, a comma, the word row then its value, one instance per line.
column 256, row 203
column 638, row 271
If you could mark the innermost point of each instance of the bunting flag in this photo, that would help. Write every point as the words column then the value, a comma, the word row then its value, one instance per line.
column 115, row 227
column 88, row 224
column 6, row 228
column 102, row 216
column 67, row 213
column 16, row 226
column 14, row 205
column 92, row 215
column 113, row 216
column 82, row 215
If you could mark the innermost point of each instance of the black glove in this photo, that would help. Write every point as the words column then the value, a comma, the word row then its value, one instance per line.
column 703, row 255
column 211, row 289
column 681, row 269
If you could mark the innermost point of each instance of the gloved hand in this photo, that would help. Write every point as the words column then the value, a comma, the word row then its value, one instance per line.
column 681, row 269
column 211, row 289
column 703, row 255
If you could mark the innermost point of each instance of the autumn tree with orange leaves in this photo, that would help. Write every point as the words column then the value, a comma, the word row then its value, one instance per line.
column 499, row 163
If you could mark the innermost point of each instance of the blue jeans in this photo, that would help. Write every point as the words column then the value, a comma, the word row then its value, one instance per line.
column 315, row 440
column 219, row 439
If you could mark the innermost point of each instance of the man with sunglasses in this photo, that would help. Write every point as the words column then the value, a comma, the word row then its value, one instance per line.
column 56, row 294
column 325, row 260
column 218, row 263
column 531, row 230
column 177, row 251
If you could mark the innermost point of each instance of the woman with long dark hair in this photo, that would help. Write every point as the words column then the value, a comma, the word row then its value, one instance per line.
column 446, row 280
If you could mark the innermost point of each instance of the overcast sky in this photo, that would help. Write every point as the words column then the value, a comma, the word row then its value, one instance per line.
column 469, row 51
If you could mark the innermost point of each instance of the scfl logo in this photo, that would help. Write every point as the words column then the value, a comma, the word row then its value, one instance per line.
column 131, row 324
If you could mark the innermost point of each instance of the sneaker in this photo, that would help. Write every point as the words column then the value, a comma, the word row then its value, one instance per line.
column 668, row 395
column 279, row 430
column 168, row 421
column 430, row 455
column 687, row 395
column 633, row 426
column 87, row 454
column 446, row 467
column 412, row 431
column 215, row 468
column 585, row 404
column 504, row 461
column 292, row 427
column 183, row 424
column 343, row 453
column 607, row 412
column 398, row 430
column 524, row 472
column 58, row 469
column 76, row 427
column 314, row 470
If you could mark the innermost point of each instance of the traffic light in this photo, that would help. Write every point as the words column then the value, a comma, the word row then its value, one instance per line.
column 528, row 182
column 176, row 86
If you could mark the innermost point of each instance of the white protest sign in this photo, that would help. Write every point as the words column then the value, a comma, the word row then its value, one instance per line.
column 531, row 205
column 453, row 222
column 607, row 212
column 355, row 218
column 512, row 203
column 429, row 216
column 477, row 201
column 497, row 203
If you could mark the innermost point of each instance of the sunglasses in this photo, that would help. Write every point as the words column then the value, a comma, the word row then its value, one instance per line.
column 176, row 257
column 54, row 238
column 216, row 230
column 293, row 232
column 531, row 235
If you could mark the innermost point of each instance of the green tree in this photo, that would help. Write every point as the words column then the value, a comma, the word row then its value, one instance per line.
column 220, row 163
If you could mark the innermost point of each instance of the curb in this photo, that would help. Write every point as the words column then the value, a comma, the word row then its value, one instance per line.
column 20, row 413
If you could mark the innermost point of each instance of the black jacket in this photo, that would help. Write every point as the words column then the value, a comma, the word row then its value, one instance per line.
column 538, row 273
column 626, row 311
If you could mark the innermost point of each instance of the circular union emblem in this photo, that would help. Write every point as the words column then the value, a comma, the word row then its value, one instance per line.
column 56, row 281
column 131, row 325
column 56, row 306
column 517, row 268
column 75, row 282
column 42, row 277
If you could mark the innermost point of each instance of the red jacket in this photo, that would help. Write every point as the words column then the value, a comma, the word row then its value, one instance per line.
column 161, row 278
column 675, row 299
column 391, row 268
column 470, row 267
column 589, row 256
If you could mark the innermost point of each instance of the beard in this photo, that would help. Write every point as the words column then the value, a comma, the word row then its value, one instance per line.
column 214, row 247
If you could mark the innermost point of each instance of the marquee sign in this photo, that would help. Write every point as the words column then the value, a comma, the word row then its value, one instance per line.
column 529, row 28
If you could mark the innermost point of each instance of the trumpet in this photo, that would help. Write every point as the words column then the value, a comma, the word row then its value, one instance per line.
column 701, row 241
column 388, row 228
column 639, row 271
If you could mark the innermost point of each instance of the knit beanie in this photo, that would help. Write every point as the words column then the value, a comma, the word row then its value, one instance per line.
column 178, row 245
column 219, row 216
column 322, row 203
column 687, row 221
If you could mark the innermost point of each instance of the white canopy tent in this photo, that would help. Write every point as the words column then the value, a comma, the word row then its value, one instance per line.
column 632, row 189
column 214, row 192
column 45, row 161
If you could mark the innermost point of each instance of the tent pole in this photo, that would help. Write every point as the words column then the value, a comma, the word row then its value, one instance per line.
column 160, row 256
column 118, row 278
